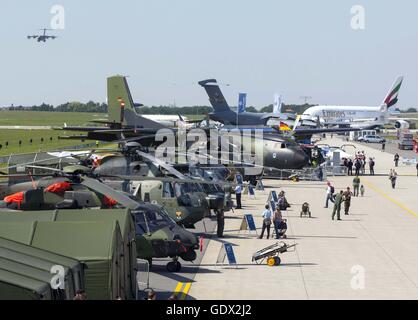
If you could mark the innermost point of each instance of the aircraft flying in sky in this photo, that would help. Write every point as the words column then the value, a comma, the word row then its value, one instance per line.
column 42, row 37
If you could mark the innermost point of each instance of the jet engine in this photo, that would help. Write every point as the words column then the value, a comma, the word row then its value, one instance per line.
column 402, row 124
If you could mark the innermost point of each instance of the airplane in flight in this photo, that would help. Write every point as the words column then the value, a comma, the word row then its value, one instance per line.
column 364, row 117
column 43, row 37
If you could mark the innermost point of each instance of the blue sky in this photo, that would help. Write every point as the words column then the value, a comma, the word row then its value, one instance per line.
column 295, row 48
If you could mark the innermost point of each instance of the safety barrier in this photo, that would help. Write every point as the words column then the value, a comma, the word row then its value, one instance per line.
column 142, row 278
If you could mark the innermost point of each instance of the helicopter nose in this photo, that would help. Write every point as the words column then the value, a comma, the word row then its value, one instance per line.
column 301, row 159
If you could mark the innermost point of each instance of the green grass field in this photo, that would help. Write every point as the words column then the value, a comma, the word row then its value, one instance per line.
column 45, row 118
column 14, row 136
column 40, row 118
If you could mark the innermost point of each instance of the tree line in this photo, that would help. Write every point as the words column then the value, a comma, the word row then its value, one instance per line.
column 97, row 107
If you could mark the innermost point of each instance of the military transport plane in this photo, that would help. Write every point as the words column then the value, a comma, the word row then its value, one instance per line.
column 223, row 113
column 244, row 120
column 124, row 124
column 43, row 37
column 358, row 116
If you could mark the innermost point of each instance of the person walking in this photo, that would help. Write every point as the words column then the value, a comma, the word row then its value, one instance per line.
column 371, row 166
column 330, row 192
column 383, row 146
column 393, row 175
column 362, row 190
column 277, row 220
column 356, row 185
column 266, row 222
column 337, row 205
column 396, row 159
column 238, row 192
column 417, row 169
column 347, row 200
column 350, row 167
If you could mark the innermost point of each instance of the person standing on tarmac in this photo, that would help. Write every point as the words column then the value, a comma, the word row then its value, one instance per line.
column 396, row 159
column 356, row 185
column 266, row 222
column 347, row 200
column 238, row 192
column 350, row 167
column 220, row 218
column 277, row 220
column 417, row 169
column 393, row 175
column 383, row 146
column 337, row 205
column 371, row 166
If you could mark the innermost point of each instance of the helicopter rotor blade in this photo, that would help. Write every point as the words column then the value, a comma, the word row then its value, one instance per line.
column 162, row 164
column 108, row 191
column 165, row 179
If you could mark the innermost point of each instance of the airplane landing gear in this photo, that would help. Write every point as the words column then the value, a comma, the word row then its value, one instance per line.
column 173, row 266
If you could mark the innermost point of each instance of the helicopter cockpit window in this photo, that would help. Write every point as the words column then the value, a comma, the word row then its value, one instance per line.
column 178, row 189
column 168, row 191
column 155, row 220
column 140, row 225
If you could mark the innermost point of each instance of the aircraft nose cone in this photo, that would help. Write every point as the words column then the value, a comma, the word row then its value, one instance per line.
column 301, row 159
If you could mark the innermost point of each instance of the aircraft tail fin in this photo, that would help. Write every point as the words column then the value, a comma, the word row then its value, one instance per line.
column 391, row 98
column 121, row 108
column 216, row 98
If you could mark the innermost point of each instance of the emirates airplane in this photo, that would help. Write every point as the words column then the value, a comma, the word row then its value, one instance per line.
column 359, row 116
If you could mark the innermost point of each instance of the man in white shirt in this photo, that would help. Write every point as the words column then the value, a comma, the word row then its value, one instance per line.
column 238, row 191
column 330, row 194
column 266, row 222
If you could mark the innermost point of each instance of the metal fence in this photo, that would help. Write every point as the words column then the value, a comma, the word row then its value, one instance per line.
column 6, row 159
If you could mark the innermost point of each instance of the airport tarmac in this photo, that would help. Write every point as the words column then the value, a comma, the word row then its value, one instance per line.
column 370, row 254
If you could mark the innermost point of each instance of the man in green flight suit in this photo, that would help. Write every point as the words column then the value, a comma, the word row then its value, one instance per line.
column 337, row 205
column 347, row 200
column 356, row 185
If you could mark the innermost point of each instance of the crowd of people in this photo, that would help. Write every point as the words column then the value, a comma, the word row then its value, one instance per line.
column 343, row 197
column 275, row 218
column 359, row 164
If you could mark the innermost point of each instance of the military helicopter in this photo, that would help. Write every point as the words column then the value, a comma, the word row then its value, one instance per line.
column 43, row 37
column 183, row 202
column 157, row 234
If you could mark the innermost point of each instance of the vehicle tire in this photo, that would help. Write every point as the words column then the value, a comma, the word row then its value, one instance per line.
column 277, row 261
column 190, row 255
column 271, row 261
column 178, row 266
column 171, row 266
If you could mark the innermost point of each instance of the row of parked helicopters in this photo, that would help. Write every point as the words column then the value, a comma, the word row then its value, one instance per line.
column 164, row 199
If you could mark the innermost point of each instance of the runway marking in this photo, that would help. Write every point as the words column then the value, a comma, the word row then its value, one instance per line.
column 399, row 204
column 184, row 291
